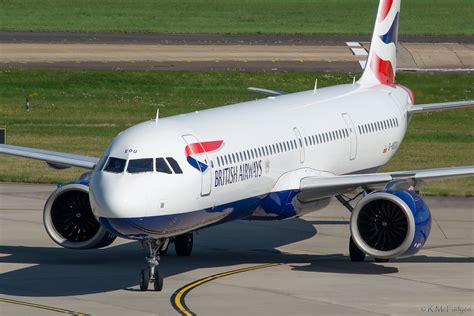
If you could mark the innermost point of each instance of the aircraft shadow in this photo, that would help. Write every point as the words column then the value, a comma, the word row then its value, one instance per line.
column 54, row 271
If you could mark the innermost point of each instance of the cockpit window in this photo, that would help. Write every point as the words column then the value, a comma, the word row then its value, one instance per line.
column 162, row 166
column 101, row 163
column 115, row 165
column 140, row 165
column 174, row 165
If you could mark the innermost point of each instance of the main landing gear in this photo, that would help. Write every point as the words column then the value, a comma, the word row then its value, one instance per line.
column 183, row 245
column 355, row 253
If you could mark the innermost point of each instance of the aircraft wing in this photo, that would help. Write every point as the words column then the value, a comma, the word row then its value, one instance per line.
column 431, row 107
column 55, row 159
column 313, row 188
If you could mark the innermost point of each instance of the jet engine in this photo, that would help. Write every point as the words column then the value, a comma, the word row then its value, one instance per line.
column 390, row 223
column 69, row 220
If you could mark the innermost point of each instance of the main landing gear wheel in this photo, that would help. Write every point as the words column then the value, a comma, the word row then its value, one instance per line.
column 355, row 253
column 183, row 244
column 158, row 282
column 152, row 274
column 144, row 279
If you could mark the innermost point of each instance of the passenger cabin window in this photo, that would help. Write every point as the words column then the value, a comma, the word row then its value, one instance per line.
column 174, row 165
column 140, row 165
column 162, row 166
column 115, row 165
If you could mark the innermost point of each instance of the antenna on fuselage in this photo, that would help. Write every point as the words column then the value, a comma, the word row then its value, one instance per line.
column 315, row 86
column 354, row 80
column 157, row 115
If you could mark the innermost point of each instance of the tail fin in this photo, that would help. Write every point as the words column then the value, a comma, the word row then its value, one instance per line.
column 381, row 65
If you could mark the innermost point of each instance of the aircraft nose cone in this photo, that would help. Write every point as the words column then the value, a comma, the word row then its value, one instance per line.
column 122, row 196
column 109, row 199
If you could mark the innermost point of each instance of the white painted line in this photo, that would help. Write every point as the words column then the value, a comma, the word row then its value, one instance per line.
column 353, row 44
column 362, row 63
column 359, row 51
column 437, row 69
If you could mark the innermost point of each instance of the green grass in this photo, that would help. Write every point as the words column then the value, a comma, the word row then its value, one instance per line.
column 232, row 16
column 80, row 112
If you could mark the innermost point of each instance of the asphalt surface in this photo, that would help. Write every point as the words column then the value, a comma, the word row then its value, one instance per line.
column 198, row 52
column 294, row 267
column 349, row 56
column 249, row 39
column 192, row 66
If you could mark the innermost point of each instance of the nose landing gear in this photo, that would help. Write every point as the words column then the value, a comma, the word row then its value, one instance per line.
column 152, row 274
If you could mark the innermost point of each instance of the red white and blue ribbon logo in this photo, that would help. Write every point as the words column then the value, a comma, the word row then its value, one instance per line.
column 197, row 151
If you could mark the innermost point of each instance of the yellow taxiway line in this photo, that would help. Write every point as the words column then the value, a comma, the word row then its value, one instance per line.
column 178, row 297
column 45, row 307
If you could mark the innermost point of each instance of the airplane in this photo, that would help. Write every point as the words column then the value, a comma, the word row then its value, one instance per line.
column 271, row 159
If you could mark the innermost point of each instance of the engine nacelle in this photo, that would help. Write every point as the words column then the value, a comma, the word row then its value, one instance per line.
column 69, row 220
column 285, row 205
column 390, row 223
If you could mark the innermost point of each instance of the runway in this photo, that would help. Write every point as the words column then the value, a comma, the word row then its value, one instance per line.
column 296, row 267
column 211, row 52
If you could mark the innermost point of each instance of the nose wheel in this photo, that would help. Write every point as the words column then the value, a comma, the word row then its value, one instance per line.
column 152, row 274
column 144, row 279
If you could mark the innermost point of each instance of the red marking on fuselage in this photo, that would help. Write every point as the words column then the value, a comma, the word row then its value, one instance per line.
column 386, row 6
column 202, row 147
column 410, row 93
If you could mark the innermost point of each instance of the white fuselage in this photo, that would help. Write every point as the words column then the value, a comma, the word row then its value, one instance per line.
column 258, row 148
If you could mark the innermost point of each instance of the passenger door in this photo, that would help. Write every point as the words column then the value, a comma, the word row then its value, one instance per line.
column 199, row 159
column 300, row 143
column 352, row 136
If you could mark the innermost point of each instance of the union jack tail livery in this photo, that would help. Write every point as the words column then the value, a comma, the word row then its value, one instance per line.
column 382, row 62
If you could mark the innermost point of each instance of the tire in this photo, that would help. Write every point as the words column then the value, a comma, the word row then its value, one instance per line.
column 144, row 279
column 355, row 253
column 158, row 284
column 183, row 244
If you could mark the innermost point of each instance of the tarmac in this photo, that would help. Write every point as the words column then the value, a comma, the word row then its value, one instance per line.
column 292, row 267
column 214, row 39
column 219, row 52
